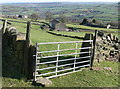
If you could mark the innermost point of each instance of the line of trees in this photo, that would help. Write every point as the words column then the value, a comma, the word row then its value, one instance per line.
column 48, row 17
column 64, row 19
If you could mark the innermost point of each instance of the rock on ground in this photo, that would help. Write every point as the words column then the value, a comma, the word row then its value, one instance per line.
column 44, row 81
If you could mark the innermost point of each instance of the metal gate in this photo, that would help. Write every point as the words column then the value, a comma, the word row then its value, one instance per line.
column 61, row 64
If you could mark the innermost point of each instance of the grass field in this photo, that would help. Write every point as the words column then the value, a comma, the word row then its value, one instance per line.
column 90, row 78
column 87, row 78
column 92, row 28
column 69, row 25
column 79, row 34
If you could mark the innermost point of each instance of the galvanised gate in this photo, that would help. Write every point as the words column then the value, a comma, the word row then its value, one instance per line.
column 61, row 64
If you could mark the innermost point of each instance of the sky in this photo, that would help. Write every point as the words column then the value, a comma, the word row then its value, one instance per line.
column 14, row 1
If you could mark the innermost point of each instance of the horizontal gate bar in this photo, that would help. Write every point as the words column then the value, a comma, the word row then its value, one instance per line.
column 61, row 65
column 62, row 70
column 55, row 72
column 61, row 55
column 65, row 42
column 65, row 69
column 73, row 58
column 63, row 50
column 46, row 62
column 46, row 73
column 66, row 73
column 46, row 68
column 65, row 65
column 82, row 62
column 63, row 60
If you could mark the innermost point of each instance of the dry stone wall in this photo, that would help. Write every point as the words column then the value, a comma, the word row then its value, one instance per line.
column 77, row 37
column 107, row 47
column 15, row 46
column 14, row 51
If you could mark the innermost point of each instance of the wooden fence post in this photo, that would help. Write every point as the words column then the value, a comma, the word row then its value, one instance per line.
column 4, row 26
column 26, row 51
column 94, row 46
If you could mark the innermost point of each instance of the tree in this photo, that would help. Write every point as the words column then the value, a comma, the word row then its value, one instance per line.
column 34, row 16
column 48, row 16
column 63, row 18
column 85, row 21
column 94, row 21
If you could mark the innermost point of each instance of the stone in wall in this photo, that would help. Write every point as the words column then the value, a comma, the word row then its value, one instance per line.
column 21, row 36
column 107, row 47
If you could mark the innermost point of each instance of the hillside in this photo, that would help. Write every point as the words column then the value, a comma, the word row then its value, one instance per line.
column 76, row 11
column 99, row 77
column 23, row 60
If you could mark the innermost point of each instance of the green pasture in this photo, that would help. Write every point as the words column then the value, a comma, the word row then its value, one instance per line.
column 92, row 28
column 90, row 78
column 85, row 78
column 79, row 34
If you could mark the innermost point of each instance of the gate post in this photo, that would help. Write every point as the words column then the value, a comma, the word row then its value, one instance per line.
column 27, row 49
column 94, row 46
column 4, row 26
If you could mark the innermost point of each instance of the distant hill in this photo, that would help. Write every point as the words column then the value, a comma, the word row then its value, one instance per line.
column 104, row 11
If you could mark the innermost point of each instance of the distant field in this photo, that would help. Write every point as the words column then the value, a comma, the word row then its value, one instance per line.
column 20, row 19
column 92, row 28
column 40, row 36
column 100, row 11
column 69, row 25
column 80, row 34
column 36, row 30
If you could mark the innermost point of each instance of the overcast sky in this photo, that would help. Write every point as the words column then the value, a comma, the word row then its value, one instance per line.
column 11, row 1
